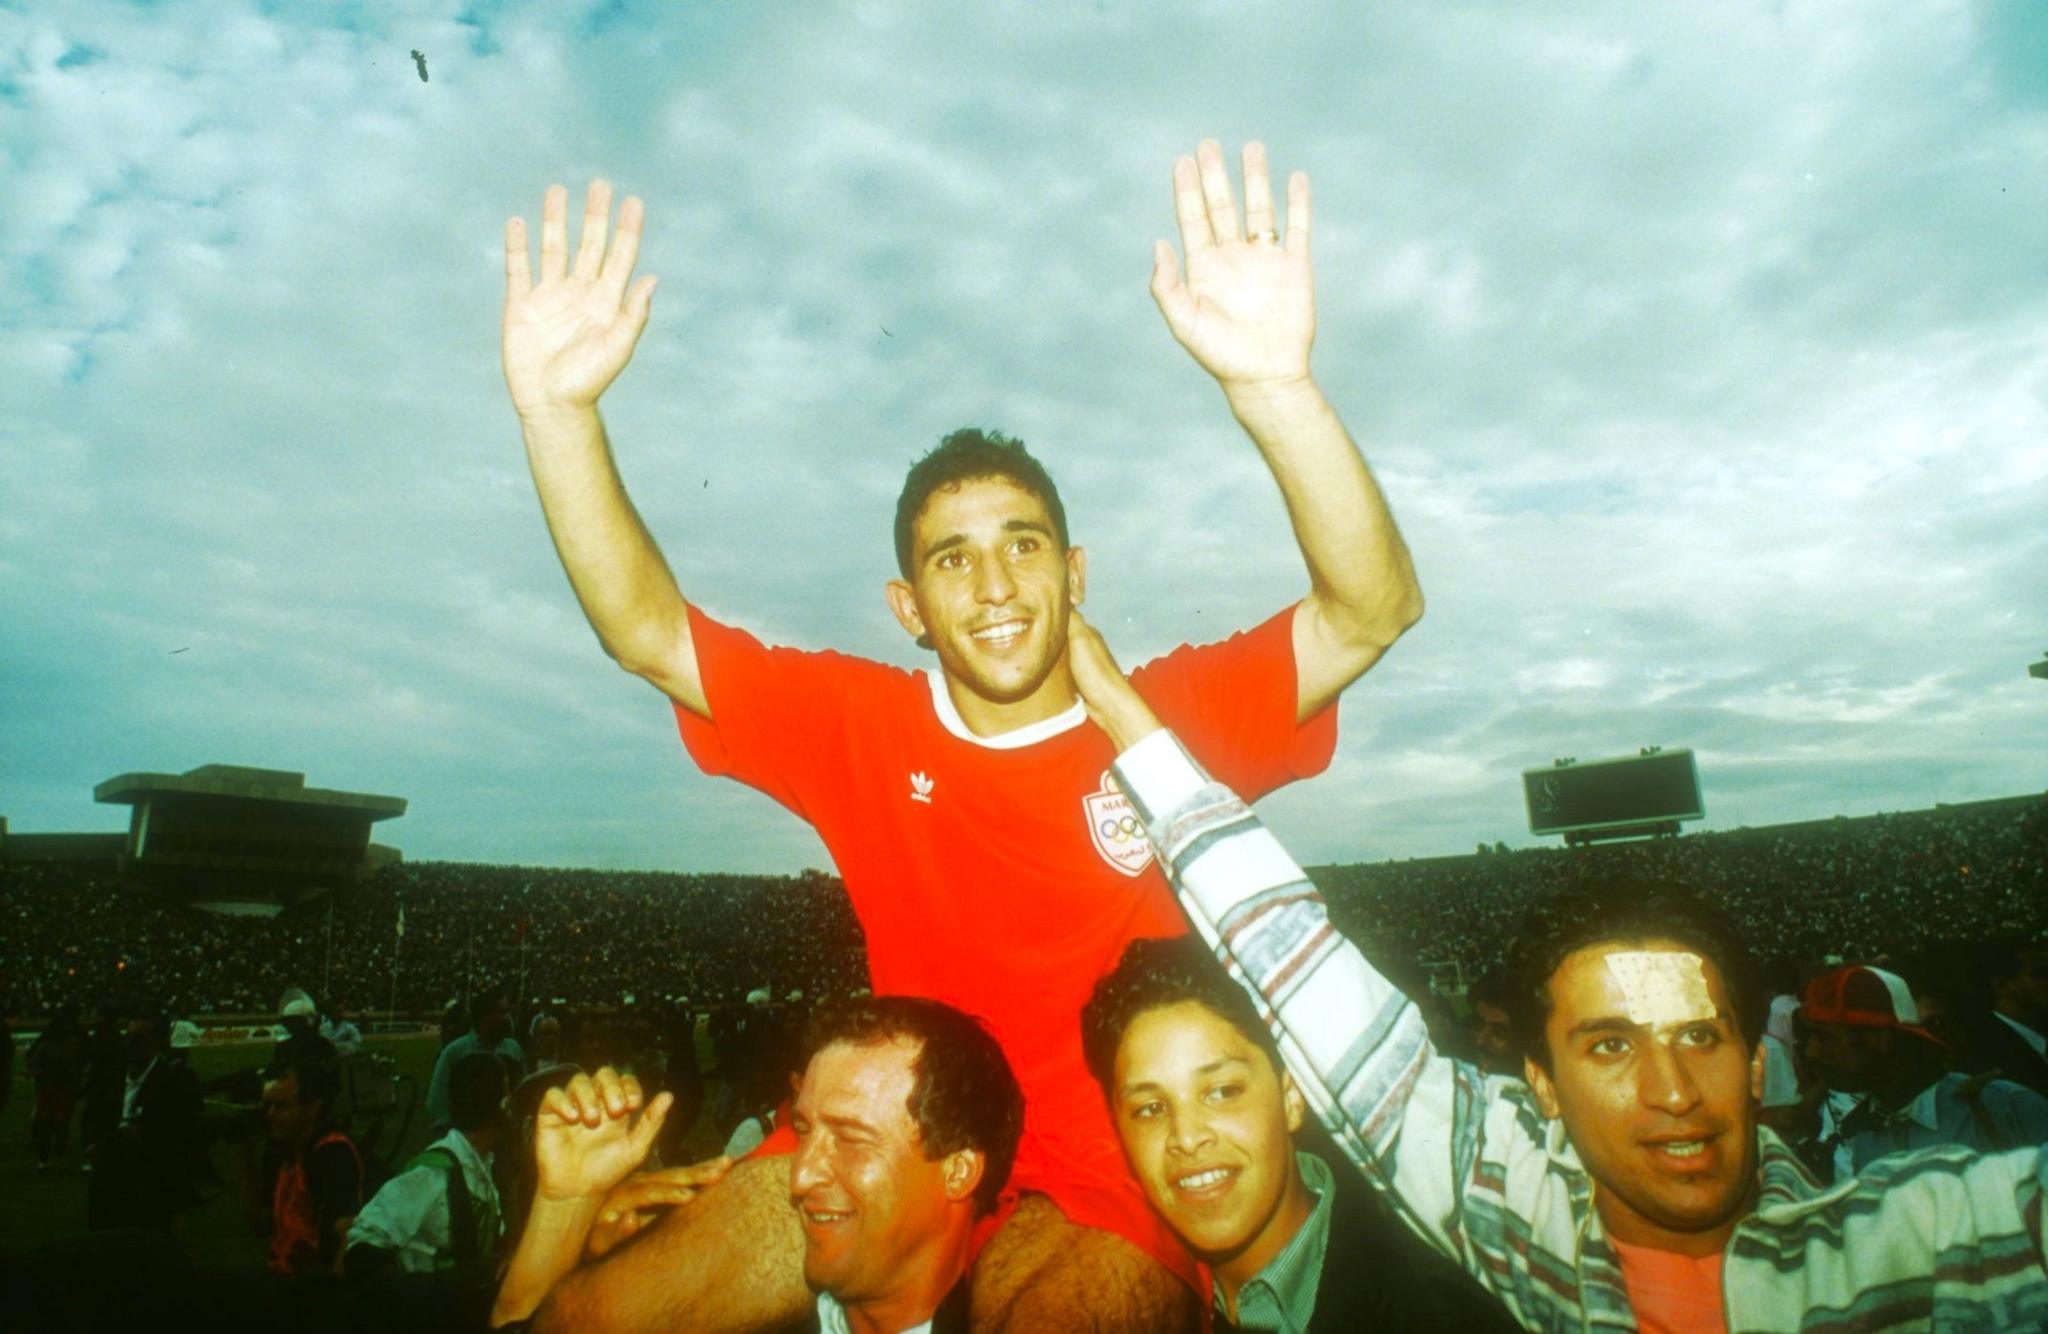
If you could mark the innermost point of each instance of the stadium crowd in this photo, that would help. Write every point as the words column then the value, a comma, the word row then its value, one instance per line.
column 1864, row 888
column 578, row 936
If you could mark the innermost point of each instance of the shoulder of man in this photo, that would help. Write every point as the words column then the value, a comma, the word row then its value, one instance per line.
column 1379, row 1274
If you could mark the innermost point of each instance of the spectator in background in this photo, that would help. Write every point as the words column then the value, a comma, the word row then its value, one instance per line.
column 2019, row 994
column 56, row 1065
column 1493, row 1033
column 106, row 1077
column 336, row 1028
column 319, row 1184
column 1866, row 1039
column 185, row 1034
column 1952, row 988
column 544, row 1037
column 442, row 1212
column 144, row 1168
column 6, row 1060
column 490, row 1031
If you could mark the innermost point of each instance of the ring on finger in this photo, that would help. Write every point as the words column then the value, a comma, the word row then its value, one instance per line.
column 1269, row 236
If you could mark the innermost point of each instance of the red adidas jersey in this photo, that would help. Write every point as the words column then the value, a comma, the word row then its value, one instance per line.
column 1000, row 875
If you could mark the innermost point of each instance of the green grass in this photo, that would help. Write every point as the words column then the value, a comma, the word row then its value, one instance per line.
column 37, row 1207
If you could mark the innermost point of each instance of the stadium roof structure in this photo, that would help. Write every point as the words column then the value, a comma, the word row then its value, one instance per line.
column 234, row 780
column 226, row 834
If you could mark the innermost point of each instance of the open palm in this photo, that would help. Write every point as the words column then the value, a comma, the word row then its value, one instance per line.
column 568, row 336
column 1245, row 309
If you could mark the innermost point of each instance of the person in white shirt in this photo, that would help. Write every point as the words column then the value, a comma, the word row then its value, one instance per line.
column 442, row 1212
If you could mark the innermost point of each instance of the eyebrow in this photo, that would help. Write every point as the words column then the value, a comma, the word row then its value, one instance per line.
column 1149, row 1085
column 1603, row 1024
column 952, row 540
column 1617, row 1024
column 842, row 1122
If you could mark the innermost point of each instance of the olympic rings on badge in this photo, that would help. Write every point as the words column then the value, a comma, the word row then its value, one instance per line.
column 1120, row 831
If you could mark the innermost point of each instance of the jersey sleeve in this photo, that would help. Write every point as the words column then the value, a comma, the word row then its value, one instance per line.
column 1233, row 705
column 775, row 712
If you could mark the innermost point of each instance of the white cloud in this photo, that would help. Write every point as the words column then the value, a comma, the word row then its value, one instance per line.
column 1699, row 349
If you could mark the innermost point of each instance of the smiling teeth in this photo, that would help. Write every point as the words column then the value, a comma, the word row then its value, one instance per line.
column 1684, row 1148
column 1001, row 634
column 1203, row 1180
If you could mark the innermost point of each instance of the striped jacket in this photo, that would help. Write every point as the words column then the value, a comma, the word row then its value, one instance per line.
column 1941, row 1238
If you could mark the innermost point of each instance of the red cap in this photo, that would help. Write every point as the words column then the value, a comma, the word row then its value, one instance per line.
column 1865, row 997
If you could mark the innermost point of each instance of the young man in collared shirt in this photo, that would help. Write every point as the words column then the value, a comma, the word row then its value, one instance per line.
column 442, row 1212
column 1208, row 1118
column 1628, row 1185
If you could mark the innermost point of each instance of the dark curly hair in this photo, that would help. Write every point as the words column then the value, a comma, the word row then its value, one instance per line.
column 963, row 1094
column 1622, row 909
column 972, row 454
column 1151, row 975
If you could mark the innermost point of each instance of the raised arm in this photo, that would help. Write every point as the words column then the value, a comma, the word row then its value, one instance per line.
column 566, row 338
column 588, row 1134
column 1356, row 1046
column 1245, row 310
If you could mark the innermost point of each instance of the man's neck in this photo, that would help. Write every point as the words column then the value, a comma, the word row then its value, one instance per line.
column 1632, row 1229
column 926, row 1278
column 1289, row 1216
column 989, row 718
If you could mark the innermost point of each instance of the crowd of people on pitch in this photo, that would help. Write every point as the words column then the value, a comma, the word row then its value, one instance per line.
column 294, row 1135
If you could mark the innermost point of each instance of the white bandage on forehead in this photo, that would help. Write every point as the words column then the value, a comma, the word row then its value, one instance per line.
column 1661, row 987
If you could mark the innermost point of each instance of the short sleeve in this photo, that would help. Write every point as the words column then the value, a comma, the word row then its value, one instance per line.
column 778, row 716
column 397, row 1214
column 1233, row 705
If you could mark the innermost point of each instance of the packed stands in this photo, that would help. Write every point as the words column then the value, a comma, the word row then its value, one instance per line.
column 1863, row 888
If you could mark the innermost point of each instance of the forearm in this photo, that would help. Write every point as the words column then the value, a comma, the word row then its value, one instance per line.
column 1361, row 580
column 1356, row 1046
column 624, row 585
column 548, row 1248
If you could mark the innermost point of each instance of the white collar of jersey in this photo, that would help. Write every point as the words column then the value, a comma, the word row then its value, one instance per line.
column 1027, row 735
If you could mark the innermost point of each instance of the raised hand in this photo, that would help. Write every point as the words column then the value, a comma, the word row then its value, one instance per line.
column 1245, row 309
column 592, row 1131
column 1111, row 700
column 636, row 1201
column 568, row 336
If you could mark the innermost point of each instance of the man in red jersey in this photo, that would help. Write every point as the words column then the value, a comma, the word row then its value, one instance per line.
column 968, row 809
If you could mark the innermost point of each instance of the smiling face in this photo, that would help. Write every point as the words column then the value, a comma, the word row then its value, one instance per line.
column 1657, row 1092
column 990, row 587
column 1207, row 1124
column 874, row 1209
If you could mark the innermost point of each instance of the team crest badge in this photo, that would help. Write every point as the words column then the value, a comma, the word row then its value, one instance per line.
column 1115, row 828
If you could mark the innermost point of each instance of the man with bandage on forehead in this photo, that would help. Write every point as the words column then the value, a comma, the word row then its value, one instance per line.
column 1626, row 1184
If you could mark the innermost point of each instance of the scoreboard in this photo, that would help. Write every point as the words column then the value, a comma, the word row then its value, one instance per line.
column 1630, row 790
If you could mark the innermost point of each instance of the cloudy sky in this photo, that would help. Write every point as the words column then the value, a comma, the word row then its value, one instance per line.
column 1702, row 351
